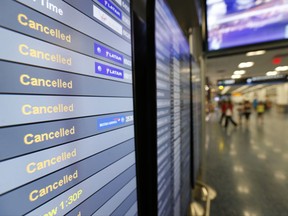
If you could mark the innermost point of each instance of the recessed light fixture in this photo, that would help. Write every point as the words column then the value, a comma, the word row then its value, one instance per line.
column 281, row 68
column 255, row 53
column 239, row 72
column 236, row 76
column 271, row 73
column 245, row 64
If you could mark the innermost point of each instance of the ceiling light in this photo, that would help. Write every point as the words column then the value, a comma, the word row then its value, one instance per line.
column 271, row 73
column 281, row 68
column 239, row 72
column 245, row 64
column 236, row 76
column 255, row 53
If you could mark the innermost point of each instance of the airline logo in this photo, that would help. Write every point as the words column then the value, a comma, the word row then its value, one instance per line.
column 107, row 53
column 112, row 8
column 110, row 122
column 108, row 70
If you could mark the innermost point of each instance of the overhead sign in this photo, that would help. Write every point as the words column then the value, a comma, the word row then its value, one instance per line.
column 254, row 80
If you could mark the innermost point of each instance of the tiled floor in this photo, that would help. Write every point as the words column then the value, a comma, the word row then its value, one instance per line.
column 248, row 167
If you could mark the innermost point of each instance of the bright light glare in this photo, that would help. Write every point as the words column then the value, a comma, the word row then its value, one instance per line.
column 281, row 68
column 236, row 76
column 255, row 53
column 271, row 73
column 245, row 64
column 239, row 72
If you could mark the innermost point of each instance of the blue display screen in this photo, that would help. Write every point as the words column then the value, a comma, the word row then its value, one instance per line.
column 233, row 23
column 173, row 113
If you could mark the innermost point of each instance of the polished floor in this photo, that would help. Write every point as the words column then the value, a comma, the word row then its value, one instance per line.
column 248, row 166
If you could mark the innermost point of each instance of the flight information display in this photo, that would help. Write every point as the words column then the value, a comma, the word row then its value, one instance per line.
column 186, row 116
column 67, row 119
column 197, row 119
column 173, row 98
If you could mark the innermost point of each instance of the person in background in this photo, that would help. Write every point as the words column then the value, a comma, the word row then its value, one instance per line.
column 247, row 110
column 255, row 103
column 223, row 105
column 240, row 112
column 260, row 112
column 228, row 114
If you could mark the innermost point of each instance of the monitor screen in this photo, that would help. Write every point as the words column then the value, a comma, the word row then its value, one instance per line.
column 66, row 125
column 235, row 23
column 196, row 121
column 173, row 113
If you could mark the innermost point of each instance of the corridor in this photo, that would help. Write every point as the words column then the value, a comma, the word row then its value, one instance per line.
column 247, row 166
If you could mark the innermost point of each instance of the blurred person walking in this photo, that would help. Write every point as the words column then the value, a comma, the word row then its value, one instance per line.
column 240, row 109
column 255, row 103
column 247, row 110
column 260, row 112
column 229, row 114
column 223, row 106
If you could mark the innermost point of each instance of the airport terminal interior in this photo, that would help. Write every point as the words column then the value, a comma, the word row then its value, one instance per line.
column 144, row 107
